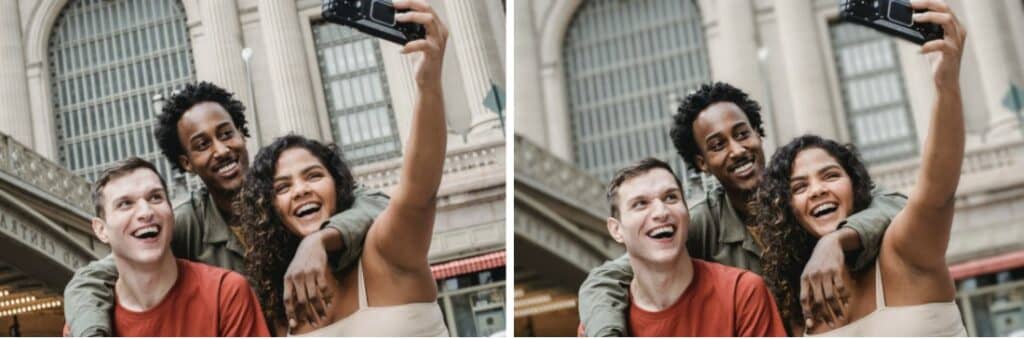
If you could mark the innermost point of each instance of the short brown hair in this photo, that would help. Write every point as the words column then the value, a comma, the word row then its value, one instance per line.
column 120, row 168
column 636, row 169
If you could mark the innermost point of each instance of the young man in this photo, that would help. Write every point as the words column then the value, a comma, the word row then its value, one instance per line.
column 202, row 130
column 157, row 295
column 671, row 294
column 718, row 130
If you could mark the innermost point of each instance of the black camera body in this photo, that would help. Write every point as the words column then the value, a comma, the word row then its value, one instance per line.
column 894, row 17
column 373, row 17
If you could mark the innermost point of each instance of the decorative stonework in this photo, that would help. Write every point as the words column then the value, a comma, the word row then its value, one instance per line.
column 473, row 160
column 538, row 230
column 558, row 178
column 902, row 176
column 33, row 170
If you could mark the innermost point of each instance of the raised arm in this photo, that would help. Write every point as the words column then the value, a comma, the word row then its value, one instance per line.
column 920, row 235
column 402, row 234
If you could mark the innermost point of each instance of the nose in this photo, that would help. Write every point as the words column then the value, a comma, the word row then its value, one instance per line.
column 220, row 150
column 660, row 211
column 817, row 189
column 736, row 150
column 145, row 211
column 301, row 189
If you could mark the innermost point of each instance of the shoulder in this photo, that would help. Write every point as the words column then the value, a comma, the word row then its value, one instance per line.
column 187, row 208
column 722, row 275
column 204, row 275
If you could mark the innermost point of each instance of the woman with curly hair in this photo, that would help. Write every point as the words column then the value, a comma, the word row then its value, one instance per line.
column 812, row 184
column 296, row 184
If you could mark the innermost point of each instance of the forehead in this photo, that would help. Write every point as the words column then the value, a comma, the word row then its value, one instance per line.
column 655, row 181
column 811, row 160
column 138, row 182
column 720, row 116
column 295, row 159
column 202, row 116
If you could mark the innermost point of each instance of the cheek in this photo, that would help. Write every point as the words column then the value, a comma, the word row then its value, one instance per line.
column 281, row 204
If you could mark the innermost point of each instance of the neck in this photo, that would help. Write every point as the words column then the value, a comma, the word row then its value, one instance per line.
column 225, row 204
column 740, row 201
column 656, row 286
column 140, row 287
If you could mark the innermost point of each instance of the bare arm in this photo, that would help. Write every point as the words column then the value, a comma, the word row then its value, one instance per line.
column 402, row 234
column 920, row 235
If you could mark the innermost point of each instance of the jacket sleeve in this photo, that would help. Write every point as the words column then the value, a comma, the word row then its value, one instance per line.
column 871, row 223
column 354, row 223
column 604, row 300
column 89, row 299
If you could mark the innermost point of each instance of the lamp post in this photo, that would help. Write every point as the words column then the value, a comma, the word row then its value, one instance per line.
column 247, row 58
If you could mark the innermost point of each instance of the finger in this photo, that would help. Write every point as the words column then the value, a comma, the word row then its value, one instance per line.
column 421, row 18
column 931, row 5
column 316, row 301
column 324, row 294
column 831, row 301
column 938, row 45
column 416, row 5
column 289, row 306
column 942, row 19
column 417, row 46
column 805, row 301
column 818, row 307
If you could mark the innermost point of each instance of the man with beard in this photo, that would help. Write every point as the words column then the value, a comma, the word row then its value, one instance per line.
column 202, row 130
column 718, row 130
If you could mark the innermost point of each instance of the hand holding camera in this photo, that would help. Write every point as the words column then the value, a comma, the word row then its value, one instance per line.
column 373, row 17
column 893, row 17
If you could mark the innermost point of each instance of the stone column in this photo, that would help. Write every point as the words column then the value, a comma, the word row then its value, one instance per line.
column 996, row 64
column 15, row 114
column 289, row 72
column 530, row 118
column 738, row 56
column 804, row 69
column 480, row 60
column 222, row 56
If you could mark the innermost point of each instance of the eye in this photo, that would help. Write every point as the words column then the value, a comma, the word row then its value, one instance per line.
column 672, row 197
column 200, row 145
column 743, row 134
column 315, row 176
column 227, row 134
column 156, row 198
column 122, row 204
column 638, row 204
column 715, row 145
column 832, row 176
column 798, row 188
column 281, row 188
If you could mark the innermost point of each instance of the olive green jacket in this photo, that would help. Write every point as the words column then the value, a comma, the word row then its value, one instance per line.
column 202, row 235
column 717, row 234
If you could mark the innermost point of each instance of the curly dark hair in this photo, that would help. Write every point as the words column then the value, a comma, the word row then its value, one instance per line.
column 696, row 102
column 271, row 245
column 182, row 100
column 788, row 245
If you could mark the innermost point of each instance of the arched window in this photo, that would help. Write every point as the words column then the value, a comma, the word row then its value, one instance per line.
column 357, row 95
column 626, row 63
column 107, row 59
column 877, row 108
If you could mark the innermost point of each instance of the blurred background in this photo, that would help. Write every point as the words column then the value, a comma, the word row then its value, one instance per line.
column 82, row 80
column 597, row 82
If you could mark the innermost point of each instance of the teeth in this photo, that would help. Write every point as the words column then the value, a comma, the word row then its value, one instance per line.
column 227, row 167
column 310, row 207
column 661, row 231
column 145, row 231
column 823, row 207
column 744, row 167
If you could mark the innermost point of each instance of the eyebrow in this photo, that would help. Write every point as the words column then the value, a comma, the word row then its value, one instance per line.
column 820, row 170
column 303, row 171
column 200, row 133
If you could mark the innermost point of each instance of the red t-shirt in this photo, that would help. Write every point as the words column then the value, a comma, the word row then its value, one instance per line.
column 205, row 301
column 721, row 301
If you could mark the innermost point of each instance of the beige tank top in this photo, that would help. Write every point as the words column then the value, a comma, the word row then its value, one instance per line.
column 409, row 320
column 940, row 319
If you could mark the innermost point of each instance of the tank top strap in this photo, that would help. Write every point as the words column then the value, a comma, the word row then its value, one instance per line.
column 879, row 289
column 362, row 287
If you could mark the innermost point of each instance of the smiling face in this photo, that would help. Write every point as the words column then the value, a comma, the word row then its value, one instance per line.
column 730, row 148
column 304, row 191
column 137, row 219
column 214, row 148
column 822, row 192
column 653, row 218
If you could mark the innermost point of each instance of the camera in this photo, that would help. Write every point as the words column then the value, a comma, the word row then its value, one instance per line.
column 894, row 17
column 373, row 17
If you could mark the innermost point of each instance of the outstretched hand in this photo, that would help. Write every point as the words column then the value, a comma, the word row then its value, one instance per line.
column 428, row 67
column 945, row 53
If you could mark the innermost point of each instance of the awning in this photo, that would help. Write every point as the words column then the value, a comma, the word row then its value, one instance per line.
column 468, row 265
column 988, row 265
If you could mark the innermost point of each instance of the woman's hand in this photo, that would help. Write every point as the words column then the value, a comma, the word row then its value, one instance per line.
column 305, row 282
column 428, row 67
column 945, row 52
